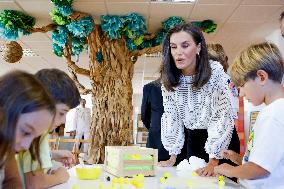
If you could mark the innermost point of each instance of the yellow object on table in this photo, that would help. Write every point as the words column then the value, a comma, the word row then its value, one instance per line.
column 88, row 173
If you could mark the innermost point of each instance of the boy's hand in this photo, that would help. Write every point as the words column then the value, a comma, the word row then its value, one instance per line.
column 233, row 156
column 63, row 156
column 224, row 169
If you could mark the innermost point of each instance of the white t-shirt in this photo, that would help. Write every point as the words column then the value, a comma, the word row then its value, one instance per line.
column 267, row 149
column 82, row 119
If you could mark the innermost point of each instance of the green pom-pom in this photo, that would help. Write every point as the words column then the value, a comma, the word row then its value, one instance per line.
column 58, row 18
column 13, row 23
column 208, row 26
column 138, row 41
column 172, row 22
column 62, row 2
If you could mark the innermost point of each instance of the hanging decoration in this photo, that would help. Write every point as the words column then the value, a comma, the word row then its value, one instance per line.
column 207, row 26
column 59, row 18
column 12, row 52
column 14, row 24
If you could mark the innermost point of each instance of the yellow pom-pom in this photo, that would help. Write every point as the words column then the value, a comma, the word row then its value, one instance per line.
column 120, row 180
column 140, row 177
column 162, row 180
column 194, row 174
column 189, row 184
column 126, row 181
column 136, row 183
column 221, row 183
column 167, row 175
column 221, row 178
column 74, row 187
column 115, row 180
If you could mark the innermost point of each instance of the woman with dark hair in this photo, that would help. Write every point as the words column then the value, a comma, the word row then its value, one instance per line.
column 28, row 111
column 196, row 99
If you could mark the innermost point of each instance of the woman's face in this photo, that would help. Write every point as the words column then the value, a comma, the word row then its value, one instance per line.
column 29, row 126
column 183, row 51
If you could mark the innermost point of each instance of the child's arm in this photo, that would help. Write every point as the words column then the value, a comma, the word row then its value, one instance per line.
column 38, row 179
column 63, row 156
column 233, row 156
column 246, row 171
column 12, row 177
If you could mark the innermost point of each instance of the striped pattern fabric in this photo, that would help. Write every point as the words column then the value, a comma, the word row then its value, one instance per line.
column 208, row 108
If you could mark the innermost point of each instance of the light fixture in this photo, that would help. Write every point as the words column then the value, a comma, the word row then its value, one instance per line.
column 154, row 55
column 26, row 52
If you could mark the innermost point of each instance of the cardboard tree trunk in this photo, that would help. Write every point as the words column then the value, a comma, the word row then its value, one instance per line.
column 112, row 94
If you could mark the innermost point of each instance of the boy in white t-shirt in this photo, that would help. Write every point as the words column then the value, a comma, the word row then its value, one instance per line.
column 258, row 72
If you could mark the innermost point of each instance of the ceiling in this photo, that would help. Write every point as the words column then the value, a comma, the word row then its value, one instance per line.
column 240, row 22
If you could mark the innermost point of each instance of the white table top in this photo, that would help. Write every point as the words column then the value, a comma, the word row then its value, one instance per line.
column 177, row 181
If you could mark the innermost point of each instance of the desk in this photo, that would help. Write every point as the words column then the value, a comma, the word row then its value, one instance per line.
column 150, row 182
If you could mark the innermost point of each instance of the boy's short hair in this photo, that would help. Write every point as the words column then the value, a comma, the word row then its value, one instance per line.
column 263, row 56
column 60, row 86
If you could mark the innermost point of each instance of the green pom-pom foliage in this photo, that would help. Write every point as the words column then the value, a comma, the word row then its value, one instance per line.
column 57, row 50
column 60, row 36
column 78, row 29
column 136, row 24
column 166, row 25
column 62, row 2
column 131, row 26
column 64, row 7
column 64, row 10
column 14, row 23
column 78, row 45
column 146, row 44
column 130, row 44
column 59, row 18
column 81, row 28
column 171, row 22
column 112, row 25
column 207, row 26
column 159, row 38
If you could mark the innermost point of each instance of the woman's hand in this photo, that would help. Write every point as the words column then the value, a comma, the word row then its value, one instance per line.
column 168, row 163
column 208, row 171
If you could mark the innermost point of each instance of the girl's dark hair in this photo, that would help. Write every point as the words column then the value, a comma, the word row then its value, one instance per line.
column 60, row 86
column 217, row 53
column 170, row 74
column 20, row 92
